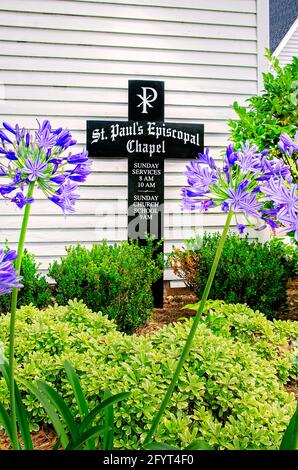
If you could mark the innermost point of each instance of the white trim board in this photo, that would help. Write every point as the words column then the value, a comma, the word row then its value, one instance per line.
column 262, row 39
column 286, row 39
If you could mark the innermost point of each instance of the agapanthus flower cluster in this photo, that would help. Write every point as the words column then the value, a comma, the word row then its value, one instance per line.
column 288, row 145
column 289, row 148
column 248, row 183
column 41, row 159
column 8, row 277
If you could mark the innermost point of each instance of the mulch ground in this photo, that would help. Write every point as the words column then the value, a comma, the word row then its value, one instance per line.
column 290, row 312
column 172, row 310
column 45, row 438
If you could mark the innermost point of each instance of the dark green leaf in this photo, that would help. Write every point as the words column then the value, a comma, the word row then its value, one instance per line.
column 79, row 394
column 58, row 402
column 5, row 421
column 21, row 412
column 77, row 389
column 199, row 444
column 51, row 412
column 108, row 437
column 290, row 438
column 92, row 433
column 93, row 413
column 23, row 420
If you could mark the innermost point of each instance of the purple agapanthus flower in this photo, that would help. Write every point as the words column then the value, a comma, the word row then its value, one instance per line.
column 10, row 154
column 7, row 189
column 78, row 158
column 35, row 169
column 225, row 207
column 66, row 196
column 20, row 200
column 248, row 184
column 44, row 137
column 245, row 202
column 80, row 172
column 8, row 277
column 231, row 155
column 250, row 207
column 248, row 160
column 290, row 223
column 288, row 145
column 286, row 198
column 235, row 198
column 206, row 204
column 40, row 160
column 9, row 128
column 200, row 176
column 4, row 137
column 275, row 167
column 207, row 159
column 18, row 177
column 241, row 228
column 271, row 223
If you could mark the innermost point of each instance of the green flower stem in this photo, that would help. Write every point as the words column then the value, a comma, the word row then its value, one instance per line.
column 14, row 301
column 293, row 166
column 191, row 335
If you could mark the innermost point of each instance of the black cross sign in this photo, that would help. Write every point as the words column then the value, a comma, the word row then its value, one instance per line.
column 146, row 140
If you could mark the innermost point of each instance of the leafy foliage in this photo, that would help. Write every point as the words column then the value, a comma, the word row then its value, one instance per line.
column 290, row 437
column 273, row 112
column 71, row 434
column 114, row 279
column 231, row 393
column 21, row 414
column 36, row 289
column 248, row 272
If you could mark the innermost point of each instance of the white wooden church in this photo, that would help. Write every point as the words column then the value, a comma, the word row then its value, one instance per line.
column 70, row 60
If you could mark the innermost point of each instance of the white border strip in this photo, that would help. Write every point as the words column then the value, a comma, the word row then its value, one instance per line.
column 286, row 38
column 262, row 39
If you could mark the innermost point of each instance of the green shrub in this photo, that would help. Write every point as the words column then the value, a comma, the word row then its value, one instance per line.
column 36, row 289
column 114, row 279
column 290, row 248
column 268, row 338
column 273, row 112
column 230, row 393
column 248, row 272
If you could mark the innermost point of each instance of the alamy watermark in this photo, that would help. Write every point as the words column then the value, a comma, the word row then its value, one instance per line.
column 111, row 223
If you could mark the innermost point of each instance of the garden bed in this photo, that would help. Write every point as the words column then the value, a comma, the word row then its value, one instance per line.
column 45, row 438
column 291, row 311
column 173, row 304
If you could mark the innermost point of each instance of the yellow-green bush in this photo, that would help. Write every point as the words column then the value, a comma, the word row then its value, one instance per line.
column 230, row 393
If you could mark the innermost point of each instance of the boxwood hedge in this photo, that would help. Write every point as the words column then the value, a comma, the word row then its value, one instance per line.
column 116, row 279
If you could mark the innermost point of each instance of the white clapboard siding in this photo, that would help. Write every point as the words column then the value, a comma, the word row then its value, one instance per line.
column 110, row 53
column 216, row 28
column 107, row 110
column 210, row 84
column 78, row 125
column 288, row 48
column 132, row 12
column 131, row 67
column 247, row 6
column 102, row 39
column 107, row 95
column 71, row 60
